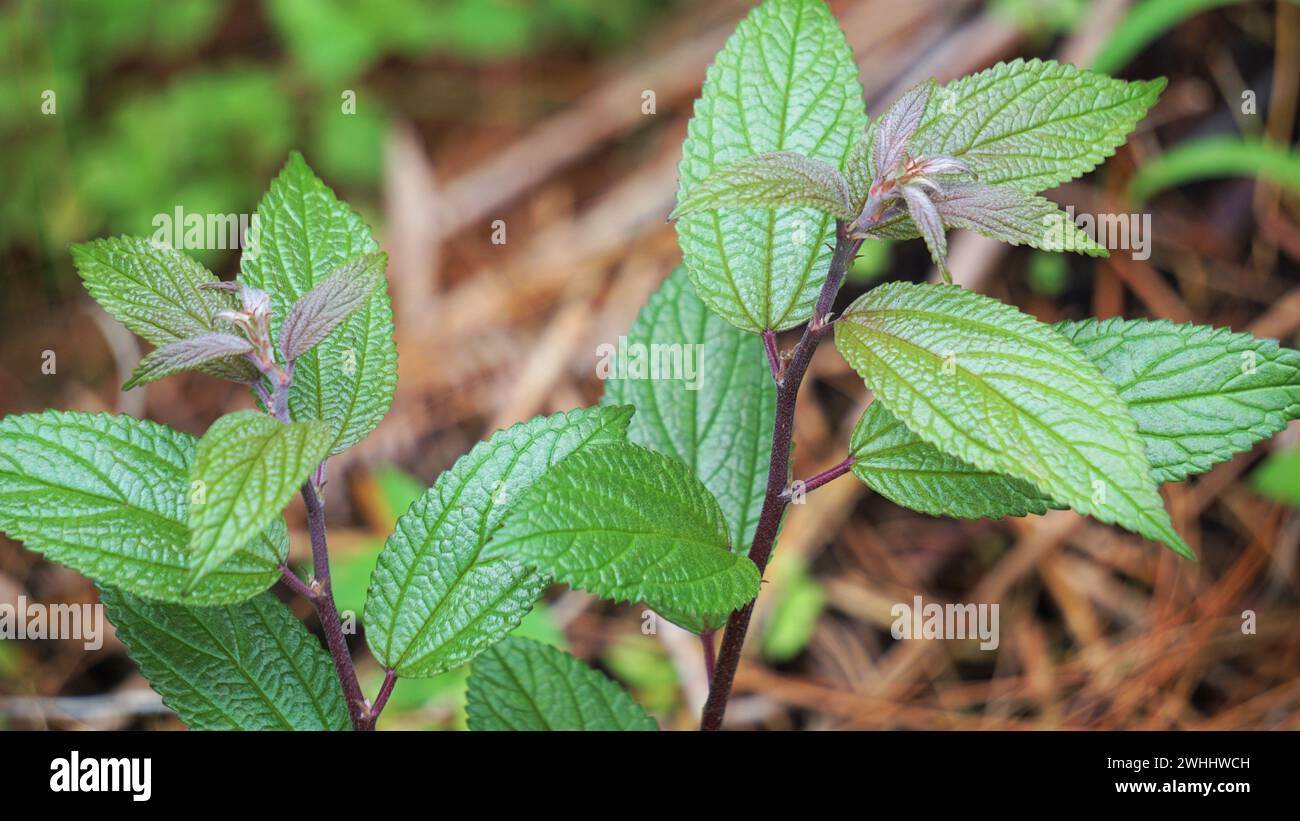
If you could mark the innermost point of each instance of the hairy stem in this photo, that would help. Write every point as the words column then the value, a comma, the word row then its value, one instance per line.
column 773, row 356
column 358, row 707
column 776, row 498
column 813, row 482
column 296, row 584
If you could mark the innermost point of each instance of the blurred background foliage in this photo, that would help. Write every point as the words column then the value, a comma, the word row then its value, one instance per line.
column 195, row 103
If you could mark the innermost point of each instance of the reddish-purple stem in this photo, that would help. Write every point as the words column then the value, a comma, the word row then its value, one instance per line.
column 296, row 584
column 775, row 500
column 813, row 482
column 385, row 690
column 710, row 653
column 337, row 643
column 773, row 356
column 319, row 592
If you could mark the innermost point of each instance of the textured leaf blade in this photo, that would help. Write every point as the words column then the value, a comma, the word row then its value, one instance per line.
column 1033, row 125
column 896, row 127
column 722, row 429
column 435, row 601
column 108, row 497
column 630, row 524
column 1005, row 393
column 156, row 292
column 186, row 354
column 785, row 81
column 915, row 474
column 330, row 303
column 1011, row 216
column 771, row 180
column 520, row 684
column 925, row 216
column 858, row 172
column 306, row 234
column 1198, row 394
column 246, row 666
column 246, row 469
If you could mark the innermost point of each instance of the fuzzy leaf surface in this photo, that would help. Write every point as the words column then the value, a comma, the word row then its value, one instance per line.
column 185, row 355
column 772, row 180
column 1014, row 217
column 896, row 127
column 330, row 303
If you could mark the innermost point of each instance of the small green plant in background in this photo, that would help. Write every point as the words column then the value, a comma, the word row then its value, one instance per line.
column 670, row 492
column 1279, row 476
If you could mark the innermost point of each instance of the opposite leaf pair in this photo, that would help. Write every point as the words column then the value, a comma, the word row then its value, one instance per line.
column 982, row 412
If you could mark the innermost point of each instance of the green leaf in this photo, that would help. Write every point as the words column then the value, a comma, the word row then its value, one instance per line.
column 858, row 172
column 520, row 684
column 108, row 496
column 1032, row 125
column 155, row 292
column 185, row 355
column 247, row 666
column 306, row 234
column 1198, row 394
column 911, row 472
column 771, row 180
column 630, row 524
column 1005, row 393
column 1212, row 157
column 247, row 468
column 785, row 81
column 722, row 429
column 1279, row 477
column 435, row 601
